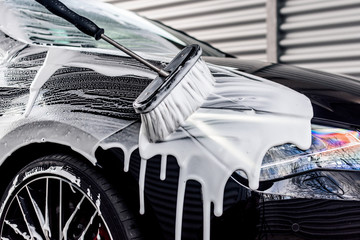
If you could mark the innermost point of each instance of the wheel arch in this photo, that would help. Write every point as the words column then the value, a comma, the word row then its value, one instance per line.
column 24, row 145
column 28, row 153
column 28, row 141
column 108, row 163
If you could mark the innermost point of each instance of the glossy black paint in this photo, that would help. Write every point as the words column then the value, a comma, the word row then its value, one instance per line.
column 297, row 219
column 335, row 98
column 318, row 211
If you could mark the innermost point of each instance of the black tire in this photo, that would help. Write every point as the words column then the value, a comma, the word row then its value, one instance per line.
column 89, row 206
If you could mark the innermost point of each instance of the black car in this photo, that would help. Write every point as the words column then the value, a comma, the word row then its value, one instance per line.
column 273, row 152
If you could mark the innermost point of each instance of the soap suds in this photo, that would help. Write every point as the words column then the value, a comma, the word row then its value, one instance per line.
column 240, row 121
column 53, row 170
column 142, row 184
column 17, row 230
column 163, row 167
column 226, row 135
column 57, row 58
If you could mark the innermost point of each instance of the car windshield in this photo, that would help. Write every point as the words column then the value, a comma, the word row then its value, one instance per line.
column 28, row 21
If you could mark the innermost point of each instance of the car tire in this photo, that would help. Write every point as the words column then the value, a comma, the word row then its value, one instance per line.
column 61, row 197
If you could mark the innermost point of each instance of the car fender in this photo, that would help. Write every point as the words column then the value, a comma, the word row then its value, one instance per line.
column 79, row 140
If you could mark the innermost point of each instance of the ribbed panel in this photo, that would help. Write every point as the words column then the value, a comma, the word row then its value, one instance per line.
column 323, row 35
column 310, row 219
column 236, row 27
column 163, row 197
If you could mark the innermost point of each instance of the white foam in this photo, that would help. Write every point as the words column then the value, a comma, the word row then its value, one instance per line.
column 17, row 230
column 218, row 139
column 57, row 58
column 142, row 185
column 232, row 131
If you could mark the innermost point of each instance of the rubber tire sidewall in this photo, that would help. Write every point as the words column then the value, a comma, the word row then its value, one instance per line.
column 117, row 216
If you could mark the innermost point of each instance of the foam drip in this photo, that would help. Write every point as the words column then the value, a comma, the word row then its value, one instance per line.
column 241, row 119
column 195, row 160
column 163, row 167
column 233, row 129
column 142, row 184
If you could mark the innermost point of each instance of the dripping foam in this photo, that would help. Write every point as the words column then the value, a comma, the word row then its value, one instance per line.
column 224, row 136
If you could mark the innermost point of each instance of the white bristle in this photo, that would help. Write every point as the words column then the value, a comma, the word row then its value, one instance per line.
column 183, row 101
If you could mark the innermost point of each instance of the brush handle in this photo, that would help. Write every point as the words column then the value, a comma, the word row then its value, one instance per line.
column 90, row 28
column 83, row 24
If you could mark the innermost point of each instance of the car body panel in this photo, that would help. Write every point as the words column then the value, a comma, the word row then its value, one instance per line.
column 83, row 99
column 92, row 115
column 86, row 107
column 335, row 98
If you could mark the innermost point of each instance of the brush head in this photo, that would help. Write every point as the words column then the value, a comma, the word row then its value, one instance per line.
column 168, row 102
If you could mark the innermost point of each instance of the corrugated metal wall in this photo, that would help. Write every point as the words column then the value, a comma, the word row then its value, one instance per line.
column 319, row 34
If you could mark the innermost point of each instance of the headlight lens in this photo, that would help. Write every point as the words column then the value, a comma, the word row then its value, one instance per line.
column 331, row 149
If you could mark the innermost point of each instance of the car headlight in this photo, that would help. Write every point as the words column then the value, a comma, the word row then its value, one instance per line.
column 331, row 149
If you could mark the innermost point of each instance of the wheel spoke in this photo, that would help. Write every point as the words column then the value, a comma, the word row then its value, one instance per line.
column 88, row 225
column 39, row 214
column 27, row 218
column 60, row 211
column 68, row 222
column 47, row 221
column 49, row 204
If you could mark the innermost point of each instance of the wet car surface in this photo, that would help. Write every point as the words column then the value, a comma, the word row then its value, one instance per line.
column 272, row 152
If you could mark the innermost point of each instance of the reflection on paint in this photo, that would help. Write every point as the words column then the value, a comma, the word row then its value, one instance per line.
column 332, row 148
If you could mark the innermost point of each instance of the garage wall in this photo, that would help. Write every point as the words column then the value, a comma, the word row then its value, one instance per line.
column 319, row 34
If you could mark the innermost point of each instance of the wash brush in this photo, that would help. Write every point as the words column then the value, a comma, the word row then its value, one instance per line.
column 170, row 98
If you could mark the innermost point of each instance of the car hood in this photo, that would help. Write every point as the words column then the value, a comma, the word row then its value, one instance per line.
column 335, row 98
column 240, row 120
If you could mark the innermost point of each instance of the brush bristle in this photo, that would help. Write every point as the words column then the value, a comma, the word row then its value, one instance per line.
column 183, row 101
